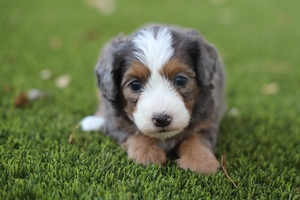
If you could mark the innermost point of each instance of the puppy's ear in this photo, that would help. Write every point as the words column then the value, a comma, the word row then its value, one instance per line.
column 205, row 58
column 208, row 61
column 108, row 68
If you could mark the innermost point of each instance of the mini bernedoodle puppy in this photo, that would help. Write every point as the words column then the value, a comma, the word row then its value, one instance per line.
column 162, row 89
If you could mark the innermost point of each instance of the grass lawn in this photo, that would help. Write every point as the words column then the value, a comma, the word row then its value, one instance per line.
column 260, row 133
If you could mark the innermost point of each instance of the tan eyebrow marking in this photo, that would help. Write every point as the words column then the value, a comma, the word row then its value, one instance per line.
column 138, row 71
column 174, row 67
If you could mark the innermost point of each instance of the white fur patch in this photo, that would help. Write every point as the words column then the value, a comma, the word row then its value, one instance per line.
column 91, row 123
column 153, row 50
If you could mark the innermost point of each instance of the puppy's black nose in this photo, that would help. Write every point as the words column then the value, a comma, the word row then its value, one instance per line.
column 162, row 120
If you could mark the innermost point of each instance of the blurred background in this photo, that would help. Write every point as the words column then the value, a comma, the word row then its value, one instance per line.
column 258, row 40
column 51, row 47
column 48, row 50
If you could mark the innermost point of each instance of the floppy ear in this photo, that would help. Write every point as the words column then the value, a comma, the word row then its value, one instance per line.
column 207, row 65
column 108, row 68
column 205, row 58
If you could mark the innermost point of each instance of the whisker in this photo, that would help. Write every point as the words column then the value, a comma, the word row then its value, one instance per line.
column 192, row 119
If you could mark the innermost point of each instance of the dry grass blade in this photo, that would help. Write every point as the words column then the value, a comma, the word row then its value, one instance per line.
column 21, row 100
column 7, row 88
column 71, row 139
column 223, row 163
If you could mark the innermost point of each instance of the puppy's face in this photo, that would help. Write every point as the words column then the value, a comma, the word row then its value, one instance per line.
column 159, row 85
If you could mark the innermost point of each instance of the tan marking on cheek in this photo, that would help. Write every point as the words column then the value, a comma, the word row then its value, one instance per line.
column 144, row 150
column 196, row 156
column 130, row 99
column 190, row 93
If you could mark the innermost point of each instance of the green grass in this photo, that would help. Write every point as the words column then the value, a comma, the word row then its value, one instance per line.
column 259, row 43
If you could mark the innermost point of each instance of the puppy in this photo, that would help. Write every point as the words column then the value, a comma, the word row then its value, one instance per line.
column 162, row 89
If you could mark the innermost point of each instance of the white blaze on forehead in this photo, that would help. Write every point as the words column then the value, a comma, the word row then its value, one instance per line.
column 154, row 47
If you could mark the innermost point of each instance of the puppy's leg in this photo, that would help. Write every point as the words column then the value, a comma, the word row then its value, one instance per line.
column 144, row 150
column 196, row 155
column 100, row 112
column 94, row 122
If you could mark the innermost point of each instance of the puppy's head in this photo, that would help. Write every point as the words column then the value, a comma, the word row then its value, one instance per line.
column 157, row 74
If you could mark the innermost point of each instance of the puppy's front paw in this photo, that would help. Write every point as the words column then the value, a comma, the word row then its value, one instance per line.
column 206, row 163
column 144, row 150
column 146, row 156
column 196, row 156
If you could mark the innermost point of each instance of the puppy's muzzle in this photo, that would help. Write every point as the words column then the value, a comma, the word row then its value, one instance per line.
column 161, row 120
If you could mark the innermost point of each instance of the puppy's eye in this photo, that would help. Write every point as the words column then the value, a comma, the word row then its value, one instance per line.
column 136, row 85
column 180, row 81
